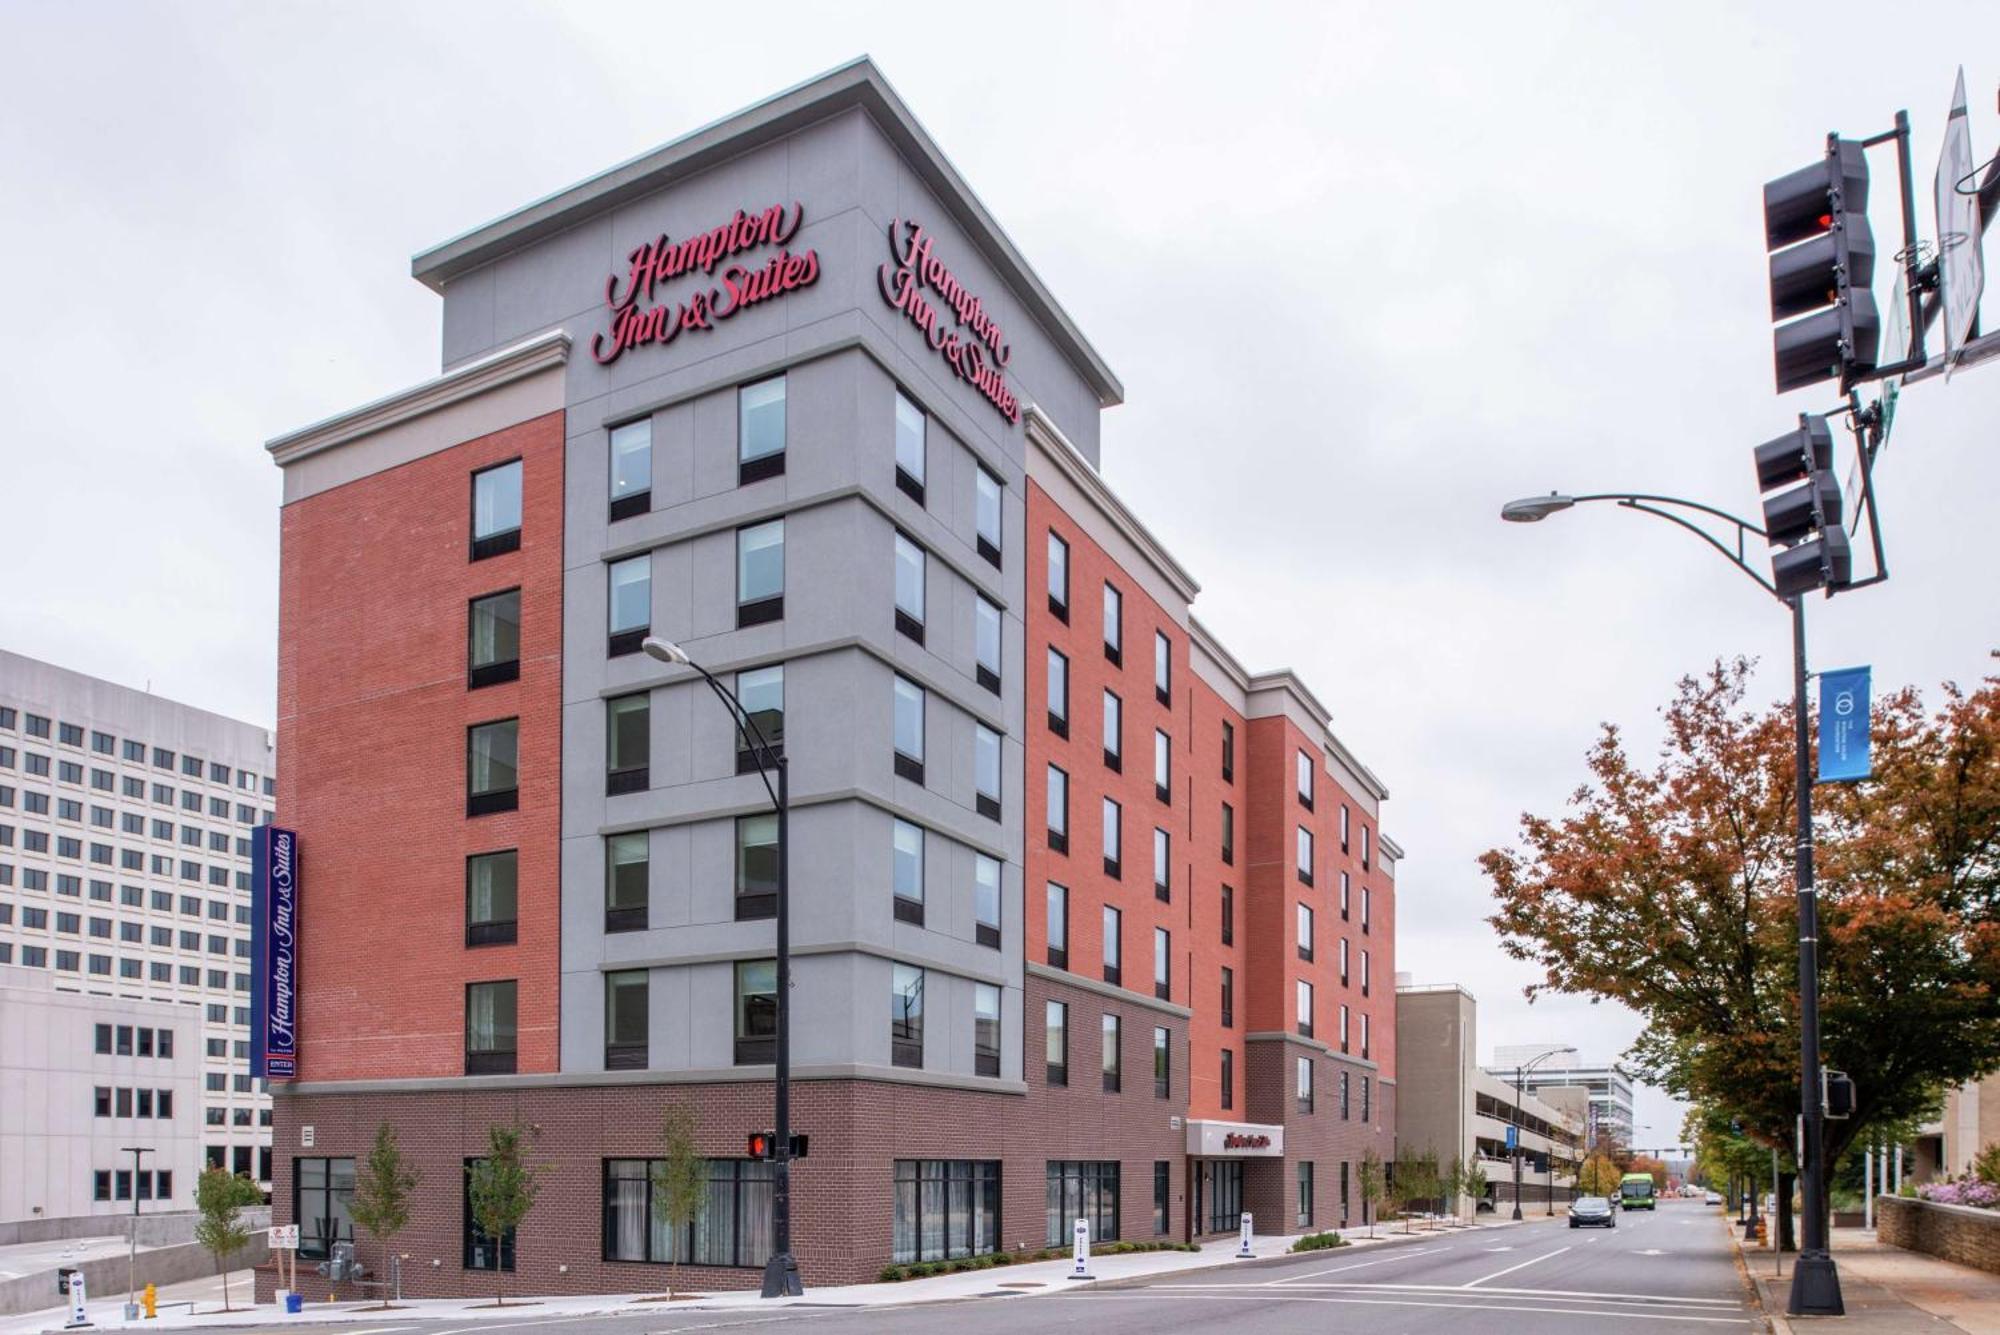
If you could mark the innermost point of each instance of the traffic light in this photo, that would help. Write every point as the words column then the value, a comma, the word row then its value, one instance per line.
column 761, row 1143
column 1837, row 1093
column 1804, row 520
column 1822, row 256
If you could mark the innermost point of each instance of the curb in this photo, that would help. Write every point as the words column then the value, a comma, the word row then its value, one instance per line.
column 1774, row 1322
column 1266, row 1262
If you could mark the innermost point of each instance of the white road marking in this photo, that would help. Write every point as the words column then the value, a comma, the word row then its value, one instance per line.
column 1541, row 1293
column 1358, row 1265
column 1625, row 1314
column 1512, row 1268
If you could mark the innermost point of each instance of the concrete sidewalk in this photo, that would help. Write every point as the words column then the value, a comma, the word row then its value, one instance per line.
column 107, row 1310
column 1886, row 1290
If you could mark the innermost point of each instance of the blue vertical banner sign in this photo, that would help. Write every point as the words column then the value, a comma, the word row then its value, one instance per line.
column 1843, row 725
column 274, row 996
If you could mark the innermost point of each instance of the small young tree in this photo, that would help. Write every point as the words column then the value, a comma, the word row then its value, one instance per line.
column 1475, row 1183
column 382, row 1191
column 503, row 1187
column 220, row 1199
column 680, row 1182
column 1373, row 1187
column 1451, row 1185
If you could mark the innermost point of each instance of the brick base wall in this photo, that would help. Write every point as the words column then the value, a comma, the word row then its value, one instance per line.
column 1954, row 1232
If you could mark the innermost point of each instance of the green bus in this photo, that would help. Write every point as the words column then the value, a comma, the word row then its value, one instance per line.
column 1635, row 1191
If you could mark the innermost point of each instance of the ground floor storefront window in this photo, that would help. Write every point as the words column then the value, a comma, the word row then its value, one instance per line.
column 946, row 1208
column 732, row 1229
column 1221, row 1184
column 1082, row 1189
column 322, row 1197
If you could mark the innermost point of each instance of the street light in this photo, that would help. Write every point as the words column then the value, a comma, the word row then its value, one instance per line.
column 781, row 1272
column 138, row 1153
column 1815, row 1279
column 1520, row 1072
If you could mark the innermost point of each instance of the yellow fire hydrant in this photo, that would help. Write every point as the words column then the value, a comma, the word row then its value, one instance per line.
column 150, row 1301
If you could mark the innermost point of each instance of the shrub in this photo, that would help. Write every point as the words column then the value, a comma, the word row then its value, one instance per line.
column 1317, row 1242
column 1986, row 1165
column 893, row 1274
column 1964, row 1191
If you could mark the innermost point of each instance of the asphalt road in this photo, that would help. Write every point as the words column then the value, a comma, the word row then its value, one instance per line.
column 1672, row 1270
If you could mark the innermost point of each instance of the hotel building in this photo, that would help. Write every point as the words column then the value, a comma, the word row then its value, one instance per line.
column 1087, row 919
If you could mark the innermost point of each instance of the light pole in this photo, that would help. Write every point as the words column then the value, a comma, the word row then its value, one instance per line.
column 138, row 1153
column 1520, row 1073
column 781, row 1272
column 1815, row 1279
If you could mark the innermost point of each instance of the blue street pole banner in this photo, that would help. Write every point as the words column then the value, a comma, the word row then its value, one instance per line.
column 1513, row 1137
column 274, row 993
column 1843, row 725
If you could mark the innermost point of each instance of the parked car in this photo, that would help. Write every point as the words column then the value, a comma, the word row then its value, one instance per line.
column 1592, row 1211
column 1713, row 1198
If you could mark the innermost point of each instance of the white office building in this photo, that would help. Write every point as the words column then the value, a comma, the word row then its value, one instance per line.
column 125, row 825
column 1608, row 1089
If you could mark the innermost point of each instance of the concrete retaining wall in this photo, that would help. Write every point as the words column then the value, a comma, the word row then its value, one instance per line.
column 155, row 1230
column 107, row 1275
column 1958, row 1233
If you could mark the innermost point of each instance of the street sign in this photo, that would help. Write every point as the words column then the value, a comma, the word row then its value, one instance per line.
column 1243, row 1239
column 79, row 1300
column 284, row 1237
column 1079, row 1243
column 1843, row 725
column 1961, row 269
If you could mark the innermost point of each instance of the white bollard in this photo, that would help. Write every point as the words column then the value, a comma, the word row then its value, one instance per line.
column 1243, row 1234
column 79, row 1298
column 1080, row 1250
column 1868, row 1187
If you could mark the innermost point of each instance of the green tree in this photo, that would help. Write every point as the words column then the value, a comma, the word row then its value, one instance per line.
column 220, row 1199
column 1475, row 1183
column 503, row 1187
column 1374, row 1187
column 382, row 1191
column 1668, row 886
column 680, row 1182
column 1598, row 1177
column 1451, row 1184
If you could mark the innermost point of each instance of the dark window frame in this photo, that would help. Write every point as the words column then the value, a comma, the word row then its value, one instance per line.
column 478, row 675
column 506, row 540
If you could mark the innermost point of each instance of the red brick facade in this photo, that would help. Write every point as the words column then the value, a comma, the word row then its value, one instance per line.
column 373, row 707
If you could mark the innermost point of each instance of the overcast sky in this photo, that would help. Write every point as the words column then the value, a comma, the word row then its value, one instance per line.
column 1367, row 271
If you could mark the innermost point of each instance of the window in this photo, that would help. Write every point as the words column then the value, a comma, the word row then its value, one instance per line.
column 761, row 692
column 1163, row 1076
column 756, row 866
column 986, row 642
column 322, row 1204
column 910, row 448
column 1364, row 973
column 986, row 900
column 1113, row 826
column 1058, row 578
column 1086, row 1191
column 1304, row 918
column 632, row 468
column 627, row 875
column 145, row 1108
column 101, row 1185
column 1114, row 732
column 1305, row 1007
column 986, row 770
column 756, row 1011
column 1228, row 997
column 1056, row 1051
column 1162, row 865
column 625, row 1027
column 906, row 1016
column 1343, row 1028
column 1058, row 693
column 760, row 430
column 1058, row 925
column 1364, row 848
column 1163, row 668
column 627, row 743
column 124, row 1032
column 1364, row 1033
column 492, row 777
column 1365, row 1106
column 1058, row 810
column 1228, row 915
column 909, row 730
column 946, row 1208
column 1163, row 766
column 1305, row 855
column 491, row 898
column 1305, row 1214
column 1305, row 1084
column 1343, row 828
column 101, row 1101
column 1303, row 764
column 1343, row 1095
column 1163, row 964
column 1343, row 891
column 631, row 603
column 1113, row 1057
column 1343, row 961
column 985, row 1029
column 1228, row 1077
column 986, row 513
column 910, row 576
column 1114, row 946
column 1364, row 908
column 734, row 1227
column 1228, row 835
column 482, row 1252
column 1114, row 624
column 907, row 869
column 496, row 518
column 760, row 573
column 103, row 1030
column 490, row 1028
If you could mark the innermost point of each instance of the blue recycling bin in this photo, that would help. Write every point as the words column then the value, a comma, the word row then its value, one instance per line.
column 295, row 1303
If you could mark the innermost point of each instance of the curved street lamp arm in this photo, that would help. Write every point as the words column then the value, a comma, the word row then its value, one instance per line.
column 1650, row 504
column 746, row 728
